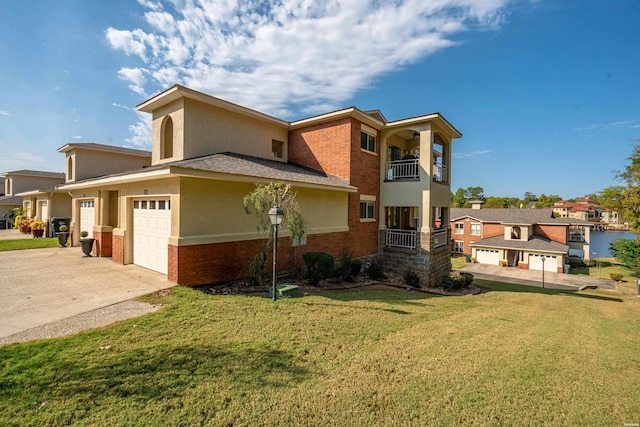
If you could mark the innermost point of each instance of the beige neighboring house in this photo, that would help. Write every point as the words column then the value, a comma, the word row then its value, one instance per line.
column 356, row 185
column 83, row 160
column 18, row 182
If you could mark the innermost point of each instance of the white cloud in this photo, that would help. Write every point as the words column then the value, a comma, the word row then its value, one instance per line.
column 470, row 154
column 613, row 125
column 115, row 104
column 76, row 137
column 4, row 113
column 291, row 55
column 140, row 132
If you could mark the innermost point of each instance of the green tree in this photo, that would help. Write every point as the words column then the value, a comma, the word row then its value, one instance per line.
column 474, row 193
column 545, row 201
column 260, row 201
column 631, row 195
column 457, row 199
column 627, row 251
column 529, row 197
column 497, row 202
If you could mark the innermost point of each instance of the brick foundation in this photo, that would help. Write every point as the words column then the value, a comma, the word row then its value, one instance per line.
column 221, row 262
column 103, row 244
column 117, row 249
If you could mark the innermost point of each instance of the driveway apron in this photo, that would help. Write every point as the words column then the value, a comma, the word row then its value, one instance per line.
column 40, row 286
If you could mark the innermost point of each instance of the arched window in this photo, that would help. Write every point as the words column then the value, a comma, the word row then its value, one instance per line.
column 69, row 169
column 166, row 138
column 515, row 232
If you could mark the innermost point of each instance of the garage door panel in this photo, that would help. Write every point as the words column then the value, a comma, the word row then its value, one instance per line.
column 151, row 231
column 550, row 264
column 487, row 256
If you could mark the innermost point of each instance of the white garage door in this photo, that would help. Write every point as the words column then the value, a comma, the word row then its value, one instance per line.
column 550, row 263
column 151, row 231
column 87, row 216
column 487, row 256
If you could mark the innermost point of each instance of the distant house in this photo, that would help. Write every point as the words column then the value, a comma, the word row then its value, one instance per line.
column 21, row 181
column 83, row 160
column 367, row 187
column 585, row 210
column 519, row 237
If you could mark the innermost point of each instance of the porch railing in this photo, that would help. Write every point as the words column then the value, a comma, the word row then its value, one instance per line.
column 403, row 169
column 440, row 238
column 401, row 239
column 440, row 173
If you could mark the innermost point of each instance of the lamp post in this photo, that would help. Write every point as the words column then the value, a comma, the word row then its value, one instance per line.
column 543, row 260
column 595, row 259
column 276, row 215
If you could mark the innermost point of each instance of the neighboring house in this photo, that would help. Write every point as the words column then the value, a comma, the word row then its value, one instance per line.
column 585, row 210
column 17, row 182
column 83, row 160
column 519, row 237
column 356, row 185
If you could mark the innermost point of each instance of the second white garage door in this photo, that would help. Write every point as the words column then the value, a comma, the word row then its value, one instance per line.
column 151, row 231
column 550, row 263
column 87, row 216
column 488, row 256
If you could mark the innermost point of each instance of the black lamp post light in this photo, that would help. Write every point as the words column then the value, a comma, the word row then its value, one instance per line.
column 276, row 215
column 543, row 260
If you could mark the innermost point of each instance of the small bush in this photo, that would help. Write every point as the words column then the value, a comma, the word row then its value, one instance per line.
column 456, row 281
column 616, row 276
column 576, row 263
column 319, row 266
column 411, row 278
column 348, row 267
column 375, row 270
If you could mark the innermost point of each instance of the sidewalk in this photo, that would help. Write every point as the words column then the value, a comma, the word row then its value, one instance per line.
column 534, row 277
column 13, row 234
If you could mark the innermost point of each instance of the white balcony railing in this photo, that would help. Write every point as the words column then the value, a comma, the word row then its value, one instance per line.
column 403, row 169
column 440, row 173
column 401, row 239
column 440, row 238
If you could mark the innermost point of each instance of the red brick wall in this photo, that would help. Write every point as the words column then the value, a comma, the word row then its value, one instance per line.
column 103, row 244
column 117, row 249
column 220, row 262
column 552, row 232
column 324, row 147
column 486, row 230
column 334, row 148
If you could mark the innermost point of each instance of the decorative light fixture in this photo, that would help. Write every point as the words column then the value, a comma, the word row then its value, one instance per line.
column 416, row 134
column 543, row 260
column 276, row 215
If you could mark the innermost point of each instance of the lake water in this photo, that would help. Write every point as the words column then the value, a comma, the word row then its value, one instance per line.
column 601, row 240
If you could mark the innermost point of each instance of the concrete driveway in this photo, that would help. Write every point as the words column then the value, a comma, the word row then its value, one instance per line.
column 40, row 286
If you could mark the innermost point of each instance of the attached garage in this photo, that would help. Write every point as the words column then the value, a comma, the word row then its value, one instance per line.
column 488, row 256
column 550, row 264
column 151, row 231
column 87, row 216
column 43, row 209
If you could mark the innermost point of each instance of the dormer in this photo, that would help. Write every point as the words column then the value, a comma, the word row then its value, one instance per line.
column 518, row 231
column 188, row 124
column 89, row 160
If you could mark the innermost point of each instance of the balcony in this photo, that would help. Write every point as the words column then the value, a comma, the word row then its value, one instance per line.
column 398, row 170
column 401, row 239
column 440, row 238
column 440, row 173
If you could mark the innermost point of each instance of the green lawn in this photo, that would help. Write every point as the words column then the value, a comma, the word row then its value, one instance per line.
column 14, row 245
column 514, row 355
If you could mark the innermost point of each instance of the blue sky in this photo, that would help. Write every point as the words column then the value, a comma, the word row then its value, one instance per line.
column 546, row 93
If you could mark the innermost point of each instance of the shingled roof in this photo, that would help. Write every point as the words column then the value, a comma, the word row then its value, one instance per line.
column 535, row 243
column 233, row 164
column 514, row 216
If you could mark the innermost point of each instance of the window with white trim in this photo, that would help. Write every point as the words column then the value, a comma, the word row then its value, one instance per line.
column 475, row 229
column 458, row 228
column 458, row 247
column 367, row 210
column 367, row 141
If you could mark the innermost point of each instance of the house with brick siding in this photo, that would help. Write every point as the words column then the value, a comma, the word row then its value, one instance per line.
column 519, row 237
column 367, row 187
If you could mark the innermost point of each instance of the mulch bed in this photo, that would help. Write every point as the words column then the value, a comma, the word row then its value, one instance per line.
column 246, row 287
